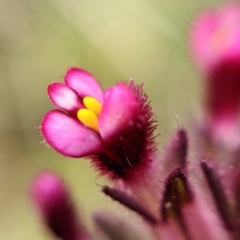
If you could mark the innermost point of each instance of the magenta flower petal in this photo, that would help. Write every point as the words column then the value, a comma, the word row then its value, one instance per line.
column 64, row 97
column 119, row 108
column 83, row 83
column 68, row 136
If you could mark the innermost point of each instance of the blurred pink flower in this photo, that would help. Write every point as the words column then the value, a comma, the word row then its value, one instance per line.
column 114, row 128
column 215, row 45
column 53, row 200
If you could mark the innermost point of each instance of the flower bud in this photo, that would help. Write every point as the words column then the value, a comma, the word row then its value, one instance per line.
column 56, row 208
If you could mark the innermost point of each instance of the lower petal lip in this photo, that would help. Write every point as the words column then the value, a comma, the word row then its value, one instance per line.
column 68, row 136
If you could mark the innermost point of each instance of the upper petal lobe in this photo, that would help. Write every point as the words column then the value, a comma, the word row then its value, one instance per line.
column 64, row 97
column 83, row 83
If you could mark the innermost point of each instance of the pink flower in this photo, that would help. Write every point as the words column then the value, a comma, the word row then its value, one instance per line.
column 113, row 128
column 215, row 39
column 53, row 200
column 177, row 194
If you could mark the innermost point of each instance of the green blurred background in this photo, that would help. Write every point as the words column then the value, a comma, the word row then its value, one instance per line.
column 114, row 40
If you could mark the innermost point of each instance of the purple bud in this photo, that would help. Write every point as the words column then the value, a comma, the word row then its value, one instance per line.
column 51, row 196
column 218, row 194
column 130, row 203
column 176, row 150
column 176, row 193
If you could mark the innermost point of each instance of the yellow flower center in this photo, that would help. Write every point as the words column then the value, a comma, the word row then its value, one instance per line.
column 89, row 115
